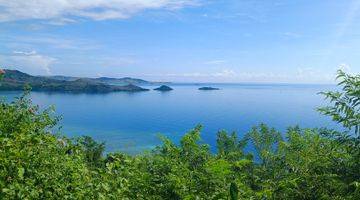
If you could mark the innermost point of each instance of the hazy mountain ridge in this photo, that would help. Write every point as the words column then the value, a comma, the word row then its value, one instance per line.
column 106, row 80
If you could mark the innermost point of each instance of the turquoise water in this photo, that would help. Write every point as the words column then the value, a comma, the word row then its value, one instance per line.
column 131, row 122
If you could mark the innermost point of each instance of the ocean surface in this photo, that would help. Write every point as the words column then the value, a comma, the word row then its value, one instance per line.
column 132, row 122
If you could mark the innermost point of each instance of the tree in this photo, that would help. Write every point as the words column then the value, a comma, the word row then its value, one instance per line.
column 234, row 191
column 265, row 141
column 345, row 108
column 93, row 150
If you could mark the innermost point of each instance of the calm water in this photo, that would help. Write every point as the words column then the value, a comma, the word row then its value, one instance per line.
column 131, row 122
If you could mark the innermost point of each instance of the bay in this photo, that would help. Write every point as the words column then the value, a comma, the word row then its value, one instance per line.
column 132, row 122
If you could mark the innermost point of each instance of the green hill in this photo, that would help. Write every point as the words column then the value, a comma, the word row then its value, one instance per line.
column 16, row 80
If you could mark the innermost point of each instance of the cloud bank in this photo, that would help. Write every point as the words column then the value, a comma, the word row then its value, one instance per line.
column 302, row 75
column 30, row 62
column 65, row 11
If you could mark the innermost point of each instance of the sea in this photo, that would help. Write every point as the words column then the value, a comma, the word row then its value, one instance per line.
column 133, row 122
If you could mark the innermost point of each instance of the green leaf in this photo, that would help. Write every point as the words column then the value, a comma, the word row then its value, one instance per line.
column 21, row 172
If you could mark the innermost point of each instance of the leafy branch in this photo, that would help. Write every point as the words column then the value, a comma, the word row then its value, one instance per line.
column 344, row 107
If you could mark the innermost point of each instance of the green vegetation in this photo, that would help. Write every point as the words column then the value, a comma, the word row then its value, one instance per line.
column 297, row 164
column 346, row 104
column 16, row 80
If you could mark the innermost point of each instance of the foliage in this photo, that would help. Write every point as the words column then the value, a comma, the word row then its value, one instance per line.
column 234, row 193
column 265, row 141
column 345, row 109
column 93, row 150
column 297, row 164
column 346, row 104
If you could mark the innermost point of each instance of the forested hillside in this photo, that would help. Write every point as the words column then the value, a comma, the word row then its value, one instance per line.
column 16, row 80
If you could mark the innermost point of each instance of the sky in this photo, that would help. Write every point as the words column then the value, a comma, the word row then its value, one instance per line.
column 262, row 41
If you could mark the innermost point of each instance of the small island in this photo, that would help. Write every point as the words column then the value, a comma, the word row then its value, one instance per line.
column 163, row 88
column 208, row 88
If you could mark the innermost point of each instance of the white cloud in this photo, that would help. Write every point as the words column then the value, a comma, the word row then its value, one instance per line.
column 302, row 75
column 24, row 53
column 305, row 72
column 48, row 41
column 225, row 73
column 30, row 62
column 61, row 21
column 291, row 35
column 116, row 61
column 308, row 74
column 65, row 11
column 344, row 27
column 344, row 67
column 215, row 62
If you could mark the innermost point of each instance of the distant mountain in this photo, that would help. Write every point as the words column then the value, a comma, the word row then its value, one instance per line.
column 62, row 78
column 122, row 81
column 107, row 80
column 16, row 80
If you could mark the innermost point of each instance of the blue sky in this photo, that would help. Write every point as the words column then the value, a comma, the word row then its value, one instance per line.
column 287, row 41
